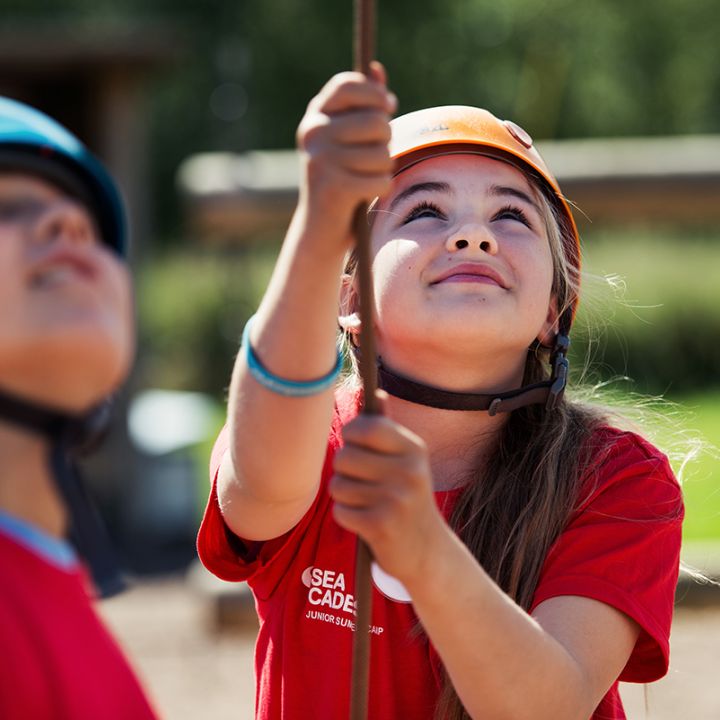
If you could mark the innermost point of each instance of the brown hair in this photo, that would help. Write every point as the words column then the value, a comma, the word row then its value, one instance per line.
column 520, row 501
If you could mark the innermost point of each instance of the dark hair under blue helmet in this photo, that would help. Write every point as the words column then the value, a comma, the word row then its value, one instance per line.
column 33, row 142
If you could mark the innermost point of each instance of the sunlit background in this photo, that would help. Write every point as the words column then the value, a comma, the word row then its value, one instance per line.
column 194, row 105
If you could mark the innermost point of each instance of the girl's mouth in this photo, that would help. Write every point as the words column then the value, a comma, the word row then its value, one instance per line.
column 471, row 273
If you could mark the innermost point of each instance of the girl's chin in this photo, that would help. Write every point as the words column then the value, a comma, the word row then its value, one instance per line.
column 469, row 328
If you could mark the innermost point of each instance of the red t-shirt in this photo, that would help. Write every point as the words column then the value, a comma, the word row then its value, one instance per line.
column 57, row 660
column 621, row 547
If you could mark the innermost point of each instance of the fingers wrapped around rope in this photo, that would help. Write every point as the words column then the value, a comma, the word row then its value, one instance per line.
column 343, row 139
column 382, row 490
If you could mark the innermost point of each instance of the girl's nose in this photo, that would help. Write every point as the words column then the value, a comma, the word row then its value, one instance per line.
column 65, row 219
column 473, row 237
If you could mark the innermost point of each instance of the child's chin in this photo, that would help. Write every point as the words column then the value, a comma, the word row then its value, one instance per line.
column 104, row 371
column 75, row 376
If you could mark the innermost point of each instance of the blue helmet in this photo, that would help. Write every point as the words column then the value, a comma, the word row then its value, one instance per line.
column 33, row 142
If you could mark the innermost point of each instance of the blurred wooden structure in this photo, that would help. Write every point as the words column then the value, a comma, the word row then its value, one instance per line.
column 624, row 181
column 92, row 79
column 649, row 181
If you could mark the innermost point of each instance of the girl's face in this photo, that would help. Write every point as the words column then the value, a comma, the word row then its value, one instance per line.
column 461, row 263
column 66, row 321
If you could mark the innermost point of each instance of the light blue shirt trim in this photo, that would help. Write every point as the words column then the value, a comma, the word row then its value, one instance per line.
column 54, row 550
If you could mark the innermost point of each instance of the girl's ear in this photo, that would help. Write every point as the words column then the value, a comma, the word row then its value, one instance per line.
column 550, row 327
column 349, row 316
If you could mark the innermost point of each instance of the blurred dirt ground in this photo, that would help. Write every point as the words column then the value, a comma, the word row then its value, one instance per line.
column 192, row 671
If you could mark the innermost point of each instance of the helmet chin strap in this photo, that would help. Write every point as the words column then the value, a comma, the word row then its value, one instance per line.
column 548, row 392
column 69, row 434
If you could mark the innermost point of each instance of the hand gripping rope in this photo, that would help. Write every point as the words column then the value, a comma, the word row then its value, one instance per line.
column 363, row 52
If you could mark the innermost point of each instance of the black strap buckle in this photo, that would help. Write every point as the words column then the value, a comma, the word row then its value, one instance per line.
column 561, row 367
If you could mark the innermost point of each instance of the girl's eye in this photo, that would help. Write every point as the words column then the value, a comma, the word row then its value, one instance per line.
column 512, row 213
column 424, row 209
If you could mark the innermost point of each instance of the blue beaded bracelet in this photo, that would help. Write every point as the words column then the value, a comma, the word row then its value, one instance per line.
column 281, row 386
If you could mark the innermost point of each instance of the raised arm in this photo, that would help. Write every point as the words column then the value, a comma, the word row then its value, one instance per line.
column 271, row 474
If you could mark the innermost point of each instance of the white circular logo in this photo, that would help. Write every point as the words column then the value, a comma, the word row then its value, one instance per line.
column 307, row 576
column 389, row 586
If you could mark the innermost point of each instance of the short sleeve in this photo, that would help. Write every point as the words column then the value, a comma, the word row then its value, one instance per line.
column 622, row 547
column 233, row 559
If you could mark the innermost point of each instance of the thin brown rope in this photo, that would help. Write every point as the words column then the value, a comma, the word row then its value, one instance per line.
column 364, row 35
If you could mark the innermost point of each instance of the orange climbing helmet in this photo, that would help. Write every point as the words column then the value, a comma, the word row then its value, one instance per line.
column 458, row 129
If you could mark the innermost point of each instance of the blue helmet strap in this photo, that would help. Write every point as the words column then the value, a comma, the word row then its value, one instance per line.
column 69, row 434
column 87, row 531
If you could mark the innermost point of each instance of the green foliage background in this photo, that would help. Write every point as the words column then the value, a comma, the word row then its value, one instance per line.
column 559, row 68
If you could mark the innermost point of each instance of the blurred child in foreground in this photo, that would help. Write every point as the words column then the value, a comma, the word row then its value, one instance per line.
column 66, row 344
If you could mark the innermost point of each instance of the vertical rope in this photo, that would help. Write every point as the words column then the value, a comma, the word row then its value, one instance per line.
column 364, row 30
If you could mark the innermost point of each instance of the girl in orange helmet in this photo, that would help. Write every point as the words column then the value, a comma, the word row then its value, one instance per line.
column 525, row 550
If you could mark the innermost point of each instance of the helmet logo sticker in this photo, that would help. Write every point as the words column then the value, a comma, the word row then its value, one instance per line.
column 522, row 136
column 435, row 128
